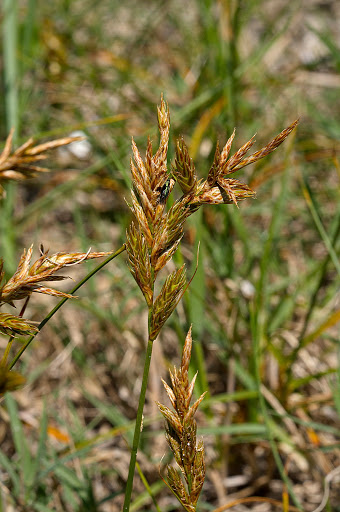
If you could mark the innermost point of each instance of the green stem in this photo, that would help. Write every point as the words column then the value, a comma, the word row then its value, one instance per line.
column 231, row 62
column 11, row 100
column 139, row 418
column 10, row 50
column 62, row 302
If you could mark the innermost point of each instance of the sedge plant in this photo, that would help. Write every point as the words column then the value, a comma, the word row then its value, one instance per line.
column 151, row 241
column 155, row 234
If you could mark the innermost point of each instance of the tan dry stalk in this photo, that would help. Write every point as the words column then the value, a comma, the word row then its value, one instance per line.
column 21, row 164
column 181, row 434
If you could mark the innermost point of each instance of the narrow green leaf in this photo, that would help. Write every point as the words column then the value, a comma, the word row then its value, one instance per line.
column 41, row 451
column 295, row 384
column 314, row 207
column 69, row 477
column 16, row 425
column 236, row 429
column 9, row 467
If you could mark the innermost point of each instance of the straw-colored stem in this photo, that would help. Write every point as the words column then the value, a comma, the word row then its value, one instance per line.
column 62, row 302
column 138, row 424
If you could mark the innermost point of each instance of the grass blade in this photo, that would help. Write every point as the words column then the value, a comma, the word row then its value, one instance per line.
column 313, row 207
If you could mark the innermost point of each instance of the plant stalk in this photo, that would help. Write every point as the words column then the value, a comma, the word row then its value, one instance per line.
column 138, row 425
column 11, row 102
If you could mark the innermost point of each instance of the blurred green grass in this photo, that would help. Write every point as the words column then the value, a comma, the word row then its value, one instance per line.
column 264, row 301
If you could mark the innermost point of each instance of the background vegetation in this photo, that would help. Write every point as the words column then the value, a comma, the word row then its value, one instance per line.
column 263, row 303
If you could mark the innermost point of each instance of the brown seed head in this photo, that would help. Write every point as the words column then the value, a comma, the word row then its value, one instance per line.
column 20, row 164
column 139, row 261
column 26, row 279
column 150, row 176
column 269, row 148
column 181, row 434
column 12, row 325
column 167, row 300
column 218, row 189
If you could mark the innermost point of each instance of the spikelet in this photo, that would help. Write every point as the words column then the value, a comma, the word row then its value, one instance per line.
column 186, row 482
column 12, row 325
column 218, row 188
column 20, row 164
column 184, row 169
column 167, row 300
column 26, row 279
